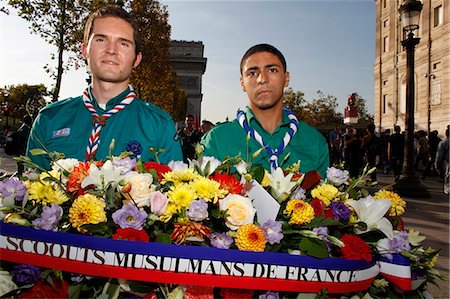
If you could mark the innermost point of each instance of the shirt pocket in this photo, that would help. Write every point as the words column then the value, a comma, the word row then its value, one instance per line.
column 69, row 148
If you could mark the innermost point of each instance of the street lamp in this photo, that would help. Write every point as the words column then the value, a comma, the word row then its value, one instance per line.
column 409, row 185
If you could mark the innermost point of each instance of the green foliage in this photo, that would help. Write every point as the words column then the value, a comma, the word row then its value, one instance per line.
column 24, row 99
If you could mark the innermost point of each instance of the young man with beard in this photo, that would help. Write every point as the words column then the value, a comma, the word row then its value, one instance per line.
column 264, row 77
column 84, row 127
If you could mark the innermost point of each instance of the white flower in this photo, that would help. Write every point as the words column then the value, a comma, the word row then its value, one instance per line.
column 337, row 177
column 371, row 212
column 280, row 185
column 177, row 165
column 6, row 282
column 102, row 178
column 141, row 188
column 239, row 209
column 206, row 166
column 63, row 165
column 241, row 167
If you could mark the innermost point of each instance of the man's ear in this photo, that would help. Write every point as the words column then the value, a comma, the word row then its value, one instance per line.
column 242, row 84
column 84, row 51
column 137, row 60
column 286, row 79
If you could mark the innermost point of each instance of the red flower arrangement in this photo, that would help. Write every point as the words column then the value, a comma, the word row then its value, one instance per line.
column 355, row 248
column 228, row 182
column 131, row 234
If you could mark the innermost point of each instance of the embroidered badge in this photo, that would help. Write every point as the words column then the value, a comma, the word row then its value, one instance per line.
column 61, row 133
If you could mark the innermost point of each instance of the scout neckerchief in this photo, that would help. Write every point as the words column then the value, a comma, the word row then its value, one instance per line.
column 273, row 154
column 100, row 121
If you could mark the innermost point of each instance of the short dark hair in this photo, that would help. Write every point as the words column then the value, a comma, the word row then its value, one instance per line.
column 263, row 48
column 112, row 11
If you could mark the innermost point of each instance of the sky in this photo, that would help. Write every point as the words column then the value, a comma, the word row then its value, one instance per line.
column 328, row 45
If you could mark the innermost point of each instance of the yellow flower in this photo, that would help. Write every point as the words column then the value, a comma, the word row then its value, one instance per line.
column 251, row 238
column 180, row 196
column 299, row 211
column 325, row 192
column 265, row 181
column 180, row 176
column 46, row 193
column 207, row 189
column 87, row 209
column 380, row 283
column 398, row 204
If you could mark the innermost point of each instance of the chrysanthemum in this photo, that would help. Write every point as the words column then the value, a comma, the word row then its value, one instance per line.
column 179, row 176
column 77, row 176
column 46, row 193
column 87, row 209
column 251, row 238
column 398, row 204
column 180, row 196
column 325, row 192
column 299, row 211
column 207, row 189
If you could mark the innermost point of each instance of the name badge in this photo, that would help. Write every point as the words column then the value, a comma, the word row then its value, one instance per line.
column 61, row 133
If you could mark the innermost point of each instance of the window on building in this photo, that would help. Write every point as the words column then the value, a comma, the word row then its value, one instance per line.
column 385, row 82
column 384, row 3
column 436, row 66
column 384, row 104
column 385, row 44
column 385, row 23
column 435, row 92
column 438, row 15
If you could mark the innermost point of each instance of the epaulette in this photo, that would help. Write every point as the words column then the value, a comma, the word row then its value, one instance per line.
column 60, row 103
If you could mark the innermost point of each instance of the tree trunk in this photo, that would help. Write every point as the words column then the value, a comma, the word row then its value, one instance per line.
column 60, row 68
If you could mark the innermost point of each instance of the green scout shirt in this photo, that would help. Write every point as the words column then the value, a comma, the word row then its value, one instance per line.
column 65, row 127
column 307, row 146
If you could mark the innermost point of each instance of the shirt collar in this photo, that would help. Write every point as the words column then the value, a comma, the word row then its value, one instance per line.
column 113, row 101
column 250, row 116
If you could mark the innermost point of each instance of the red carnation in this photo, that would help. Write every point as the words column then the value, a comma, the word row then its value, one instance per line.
column 160, row 168
column 131, row 234
column 54, row 288
column 318, row 206
column 228, row 182
column 236, row 294
column 311, row 179
column 355, row 248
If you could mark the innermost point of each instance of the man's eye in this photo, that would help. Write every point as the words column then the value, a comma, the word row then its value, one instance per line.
column 251, row 74
column 99, row 39
column 273, row 70
column 125, row 44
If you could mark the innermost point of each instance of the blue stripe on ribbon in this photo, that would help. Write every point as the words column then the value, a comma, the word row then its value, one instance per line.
column 188, row 252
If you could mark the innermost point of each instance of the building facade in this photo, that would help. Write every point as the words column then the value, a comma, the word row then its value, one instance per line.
column 432, row 67
column 188, row 62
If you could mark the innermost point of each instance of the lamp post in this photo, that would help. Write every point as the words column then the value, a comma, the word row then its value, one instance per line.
column 409, row 185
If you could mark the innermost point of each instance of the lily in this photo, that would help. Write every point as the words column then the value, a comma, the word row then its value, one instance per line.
column 280, row 185
column 102, row 178
column 371, row 211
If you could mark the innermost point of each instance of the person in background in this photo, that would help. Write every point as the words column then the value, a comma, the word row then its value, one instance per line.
column 188, row 138
column 433, row 142
column 385, row 151
column 371, row 147
column 442, row 160
column 206, row 126
column 397, row 152
column 22, row 138
column 85, row 127
column 270, row 126
column 335, row 146
column 353, row 158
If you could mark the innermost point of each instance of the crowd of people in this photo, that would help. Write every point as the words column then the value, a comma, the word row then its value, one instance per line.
column 355, row 149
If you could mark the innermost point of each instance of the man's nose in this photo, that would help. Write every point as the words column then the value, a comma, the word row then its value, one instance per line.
column 262, row 78
column 111, row 48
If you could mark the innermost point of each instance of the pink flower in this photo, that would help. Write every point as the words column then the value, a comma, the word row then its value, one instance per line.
column 158, row 203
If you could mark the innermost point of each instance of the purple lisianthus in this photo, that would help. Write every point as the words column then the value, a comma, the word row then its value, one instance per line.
column 269, row 295
column 26, row 274
column 322, row 232
column 272, row 231
column 129, row 216
column 221, row 240
column 400, row 242
column 31, row 174
column 299, row 193
column 337, row 177
column 198, row 210
column 50, row 217
column 125, row 165
column 340, row 211
column 13, row 188
column 135, row 147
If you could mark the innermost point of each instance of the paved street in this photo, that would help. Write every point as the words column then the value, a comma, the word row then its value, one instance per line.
column 430, row 216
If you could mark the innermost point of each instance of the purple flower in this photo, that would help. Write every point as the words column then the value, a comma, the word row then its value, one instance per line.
column 13, row 188
column 129, row 216
column 135, row 147
column 125, row 165
column 221, row 240
column 26, row 274
column 272, row 231
column 198, row 210
column 299, row 193
column 337, row 177
column 400, row 242
column 50, row 217
column 322, row 232
column 30, row 174
column 340, row 211
column 269, row 295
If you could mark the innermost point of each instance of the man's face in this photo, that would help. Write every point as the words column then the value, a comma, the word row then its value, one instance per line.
column 110, row 52
column 189, row 122
column 264, row 79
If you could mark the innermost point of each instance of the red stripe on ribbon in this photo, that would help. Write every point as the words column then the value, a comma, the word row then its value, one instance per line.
column 400, row 282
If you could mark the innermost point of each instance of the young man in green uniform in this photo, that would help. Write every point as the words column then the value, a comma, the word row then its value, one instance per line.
column 263, row 78
column 85, row 126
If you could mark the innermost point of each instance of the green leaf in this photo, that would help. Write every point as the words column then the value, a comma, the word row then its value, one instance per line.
column 163, row 238
column 314, row 247
column 74, row 291
column 257, row 172
column 38, row 152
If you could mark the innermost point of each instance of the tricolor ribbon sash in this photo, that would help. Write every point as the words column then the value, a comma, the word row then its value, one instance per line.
column 190, row 265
